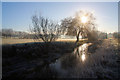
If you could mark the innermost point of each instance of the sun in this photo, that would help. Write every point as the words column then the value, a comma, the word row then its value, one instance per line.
column 83, row 19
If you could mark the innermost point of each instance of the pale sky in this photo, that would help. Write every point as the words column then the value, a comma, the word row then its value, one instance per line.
column 59, row 0
column 17, row 15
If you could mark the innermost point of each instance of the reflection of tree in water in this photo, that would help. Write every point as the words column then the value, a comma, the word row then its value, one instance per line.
column 81, row 51
column 72, row 60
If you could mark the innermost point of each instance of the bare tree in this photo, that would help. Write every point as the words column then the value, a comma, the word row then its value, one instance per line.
column 45, row 29
column 69, row 27
column 74, row 26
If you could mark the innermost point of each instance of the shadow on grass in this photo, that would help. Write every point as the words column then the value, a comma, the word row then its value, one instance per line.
column 21, row 59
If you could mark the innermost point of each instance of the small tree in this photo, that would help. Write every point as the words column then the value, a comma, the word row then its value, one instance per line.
column 70, row 27
column 78, row 25
column 45, row 29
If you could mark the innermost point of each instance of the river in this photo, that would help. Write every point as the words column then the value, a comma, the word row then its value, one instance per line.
column 70, row 65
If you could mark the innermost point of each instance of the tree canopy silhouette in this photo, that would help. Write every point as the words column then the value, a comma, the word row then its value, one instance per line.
column 45, row 29
column 76, row 27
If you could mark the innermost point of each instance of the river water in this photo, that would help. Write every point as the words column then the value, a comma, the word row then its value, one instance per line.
column 72, row 64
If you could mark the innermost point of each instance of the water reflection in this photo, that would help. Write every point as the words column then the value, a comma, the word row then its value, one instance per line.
column 71, row 61
column 81, row 52
column 83, row 57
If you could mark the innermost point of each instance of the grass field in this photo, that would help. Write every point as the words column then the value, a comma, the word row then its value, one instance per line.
column 24, row 60
column 17, row 41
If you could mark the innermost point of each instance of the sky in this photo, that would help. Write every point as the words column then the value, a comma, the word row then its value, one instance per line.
column 59, row 0
column 119, row 17
column 17, row 15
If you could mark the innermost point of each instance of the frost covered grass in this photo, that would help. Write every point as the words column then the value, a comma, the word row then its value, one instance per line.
column 32, row 60
column 20, row 41
column 27, row 58
column 100, row 64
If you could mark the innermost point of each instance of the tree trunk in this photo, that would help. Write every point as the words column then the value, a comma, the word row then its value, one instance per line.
column 77, row 37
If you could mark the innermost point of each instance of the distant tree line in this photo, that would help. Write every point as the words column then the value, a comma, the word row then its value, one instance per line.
column 10, row 33
column 102, row 35
column 116, row 35
column 24, row 35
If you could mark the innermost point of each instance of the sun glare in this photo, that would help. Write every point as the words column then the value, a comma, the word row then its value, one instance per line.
column 84, row 19
column 83, row 57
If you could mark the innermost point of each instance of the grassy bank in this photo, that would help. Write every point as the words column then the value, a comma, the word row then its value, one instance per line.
column 19, row 41
column 31, row 60
column 17, row 59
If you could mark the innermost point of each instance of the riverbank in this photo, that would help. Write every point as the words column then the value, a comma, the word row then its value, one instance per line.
column 33, row 60
column 6, row 41
column 20, row 59
column 101, row 63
